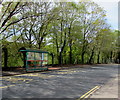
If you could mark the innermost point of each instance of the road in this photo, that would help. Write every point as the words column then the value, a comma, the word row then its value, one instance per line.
column 66, row 83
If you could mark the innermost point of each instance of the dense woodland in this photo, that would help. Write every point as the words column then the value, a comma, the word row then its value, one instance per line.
column 73, row 33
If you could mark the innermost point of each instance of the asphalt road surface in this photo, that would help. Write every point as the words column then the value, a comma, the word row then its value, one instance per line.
column 67, row 83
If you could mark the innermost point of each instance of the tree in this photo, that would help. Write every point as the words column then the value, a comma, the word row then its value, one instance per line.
column 92, row 19
column 72, row 32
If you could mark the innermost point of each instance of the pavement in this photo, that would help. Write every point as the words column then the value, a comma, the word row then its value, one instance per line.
column 109, row 90
column 74, row 83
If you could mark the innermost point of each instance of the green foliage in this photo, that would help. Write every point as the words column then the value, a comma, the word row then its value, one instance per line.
column 74, row 32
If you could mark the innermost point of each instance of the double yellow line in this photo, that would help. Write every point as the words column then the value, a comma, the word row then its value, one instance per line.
column 86, row 95
column 6, row 86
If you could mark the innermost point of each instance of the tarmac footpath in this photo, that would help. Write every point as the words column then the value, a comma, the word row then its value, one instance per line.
column 109, row 90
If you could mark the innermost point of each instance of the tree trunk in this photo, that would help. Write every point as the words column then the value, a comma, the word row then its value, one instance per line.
column 61, row 51
column 111, row 56
column 70, row 53
column 1, row 58
column 70, row 43
column 40, row 42
column 91, row 57
column 82, row 57
column 52, row 58
column 105, row 61
column 102, row 59
column 98, row 57
column 39, row 45
column 83, row 51
column 5, row 57
column 60, row 58
column 64, row 60
column 118, row 58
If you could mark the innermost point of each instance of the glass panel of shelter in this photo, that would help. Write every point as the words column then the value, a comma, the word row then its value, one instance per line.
column 36, row 59
column 30, row 59
column 45, row 59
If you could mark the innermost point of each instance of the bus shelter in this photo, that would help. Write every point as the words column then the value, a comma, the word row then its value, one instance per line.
column 34, row 59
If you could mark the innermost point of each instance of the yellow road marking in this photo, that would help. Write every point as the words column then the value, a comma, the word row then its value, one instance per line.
column 27, row 82
column 63, row 70
column 36, row 75
column 89, row 93
column 92, row 92
column 70, row 71
column 29, row 74
column 6, row 86
column 17, row 79
column 23, row 74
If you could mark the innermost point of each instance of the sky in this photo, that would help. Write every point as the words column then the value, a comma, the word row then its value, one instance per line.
column 111, row 8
